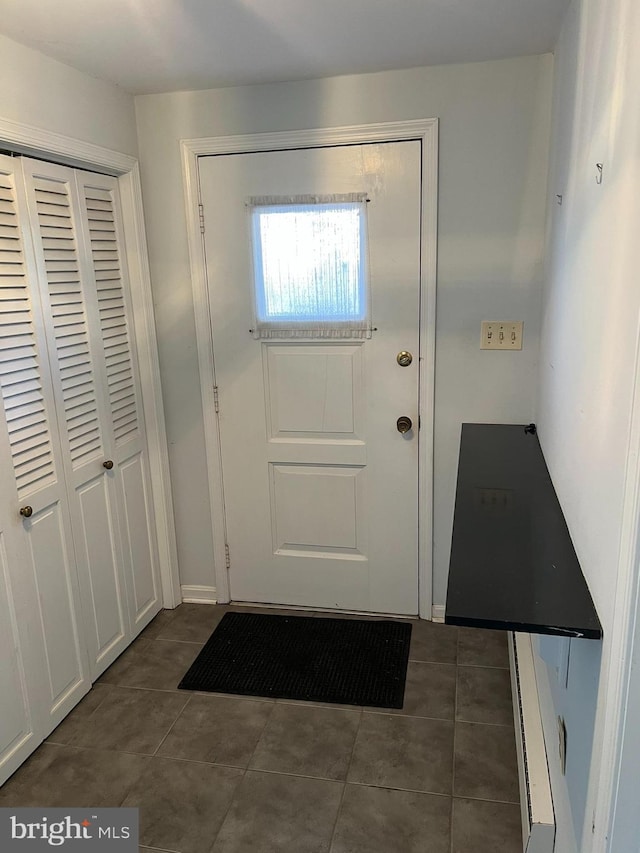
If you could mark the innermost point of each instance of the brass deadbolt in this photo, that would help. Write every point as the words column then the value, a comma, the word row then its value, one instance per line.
column 403, row 424
column 404, row 358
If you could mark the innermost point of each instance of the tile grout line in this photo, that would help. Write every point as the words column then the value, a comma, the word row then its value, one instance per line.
column 130, row 787
column 157, row 849
column 296, row 703
column 344, row 785
column 152, row 689
column 338, row 814
column 171, row 727
column 179, row 642
column 228, row 809
column 173, row 612
column 484, row 723
column 488, row 800
column 451, row 850
column 509, row 724
column 391, row 787
column 387, row 787
column 474, row 723
column 353, row 747
column 402, row 790
column 262, row 731
column 244, row 770
column 386, row 712
column 70, row 742
column 455, row 730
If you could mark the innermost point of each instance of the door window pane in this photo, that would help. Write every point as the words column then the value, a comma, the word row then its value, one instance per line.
column 309, row 266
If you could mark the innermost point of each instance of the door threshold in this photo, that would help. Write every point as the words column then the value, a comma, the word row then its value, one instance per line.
column 304, row 609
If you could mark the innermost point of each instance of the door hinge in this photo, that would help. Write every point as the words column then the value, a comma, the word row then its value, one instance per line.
column 216, row 399
column 227, row 556
column 201, row 218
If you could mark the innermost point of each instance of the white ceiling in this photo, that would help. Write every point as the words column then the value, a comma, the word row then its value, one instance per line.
column 149, row 46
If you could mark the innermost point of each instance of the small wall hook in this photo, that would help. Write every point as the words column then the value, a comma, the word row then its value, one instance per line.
column 599, row 167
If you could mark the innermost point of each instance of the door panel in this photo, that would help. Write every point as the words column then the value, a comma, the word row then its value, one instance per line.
column 18, row 676
column 70, row 316
column 52, row 567
column 138, row 521
column 320, row 488
column 313, row 391
column 33, row 481
column 319, row 510
column 24, row 435
column 114, row 338
column 96, row 543
column 15, row 723
column 104, row 243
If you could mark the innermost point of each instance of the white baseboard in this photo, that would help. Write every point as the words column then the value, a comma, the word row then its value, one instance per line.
column 536, row 802
column 565, row 834
column 437, row 613
column 199, row 594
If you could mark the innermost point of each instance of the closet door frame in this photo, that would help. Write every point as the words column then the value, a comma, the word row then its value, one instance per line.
column 34, row 142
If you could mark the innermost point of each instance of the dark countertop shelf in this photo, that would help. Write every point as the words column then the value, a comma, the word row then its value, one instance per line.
column 513, row 565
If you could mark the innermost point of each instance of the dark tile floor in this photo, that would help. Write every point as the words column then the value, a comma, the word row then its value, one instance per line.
column 213, row 773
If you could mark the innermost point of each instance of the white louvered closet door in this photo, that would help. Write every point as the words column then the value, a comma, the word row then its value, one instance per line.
column 20, row 670
column 37, row 548
column 114, row 336
column 70, row 311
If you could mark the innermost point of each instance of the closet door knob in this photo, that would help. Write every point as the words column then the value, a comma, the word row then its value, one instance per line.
column 26, row 511
column 108, row 464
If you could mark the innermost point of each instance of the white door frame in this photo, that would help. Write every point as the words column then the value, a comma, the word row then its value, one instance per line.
column 608, row 809
column 424, row 130
column 35, row 142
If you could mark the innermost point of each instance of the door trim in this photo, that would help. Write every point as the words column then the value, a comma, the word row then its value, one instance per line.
column 424, row 130
column 36, row 142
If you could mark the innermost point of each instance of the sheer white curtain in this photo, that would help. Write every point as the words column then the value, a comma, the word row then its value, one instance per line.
column 310, row 270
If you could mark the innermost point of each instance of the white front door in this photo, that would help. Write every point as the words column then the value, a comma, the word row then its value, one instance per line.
column 320, row 486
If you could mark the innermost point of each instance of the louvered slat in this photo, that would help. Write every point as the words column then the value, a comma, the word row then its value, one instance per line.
column 59, row 249
column 27, row 403
column 20, row 375
column 105, row 254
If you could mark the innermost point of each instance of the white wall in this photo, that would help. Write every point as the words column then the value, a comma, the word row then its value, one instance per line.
column 41, row 92
column 493, row 170
column 589, row 362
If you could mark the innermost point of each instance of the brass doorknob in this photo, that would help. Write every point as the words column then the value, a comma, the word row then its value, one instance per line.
column 108, row 464
column 26, row 511
column 404, row 358
column 404, row 424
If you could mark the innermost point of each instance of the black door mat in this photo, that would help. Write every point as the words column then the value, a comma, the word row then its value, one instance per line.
column 346, row 661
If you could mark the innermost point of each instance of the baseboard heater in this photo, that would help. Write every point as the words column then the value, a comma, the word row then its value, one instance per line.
column 538, row 821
